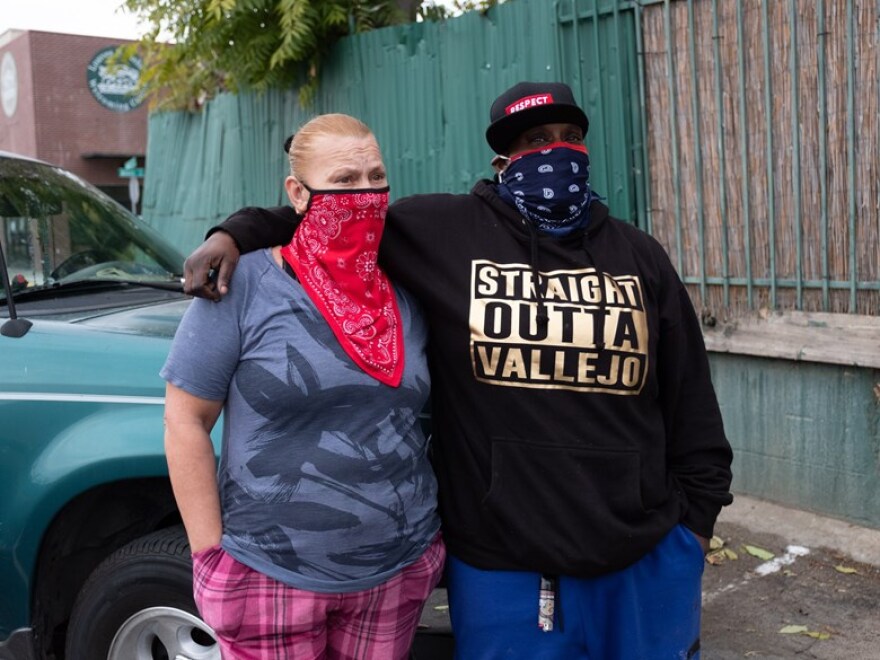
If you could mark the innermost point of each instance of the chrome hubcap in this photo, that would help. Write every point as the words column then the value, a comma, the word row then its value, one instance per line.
column 160, row 633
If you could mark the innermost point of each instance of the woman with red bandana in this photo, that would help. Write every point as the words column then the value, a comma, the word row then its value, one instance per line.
column 317, row 536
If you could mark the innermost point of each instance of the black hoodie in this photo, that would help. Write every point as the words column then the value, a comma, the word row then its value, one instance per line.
column 574, row 424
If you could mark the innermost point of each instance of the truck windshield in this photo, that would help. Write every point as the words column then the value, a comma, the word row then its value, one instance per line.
column 57, row 229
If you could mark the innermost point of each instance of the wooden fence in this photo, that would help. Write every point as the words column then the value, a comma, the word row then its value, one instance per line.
column 763, row 150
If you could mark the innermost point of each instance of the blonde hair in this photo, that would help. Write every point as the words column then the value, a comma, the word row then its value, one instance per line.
column 335, row 124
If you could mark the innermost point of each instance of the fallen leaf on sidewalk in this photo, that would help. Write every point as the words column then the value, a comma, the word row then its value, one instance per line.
column 715, row 558
column 716, row 543
column 803, row 630
column 793, row 630
column 720, row 556
column 760, row 553
column 845, row 569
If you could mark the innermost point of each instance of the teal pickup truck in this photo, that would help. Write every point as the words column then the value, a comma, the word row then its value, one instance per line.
column 93, row 559
column 94, row 562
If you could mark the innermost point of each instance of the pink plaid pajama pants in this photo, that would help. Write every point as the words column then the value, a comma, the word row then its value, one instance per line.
column 257, row 618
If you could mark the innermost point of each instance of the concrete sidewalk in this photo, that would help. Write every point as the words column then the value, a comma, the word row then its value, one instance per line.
column 805, row 528
column 812, row 593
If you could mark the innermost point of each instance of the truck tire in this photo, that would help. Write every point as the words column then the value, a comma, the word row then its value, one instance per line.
column 138, row 605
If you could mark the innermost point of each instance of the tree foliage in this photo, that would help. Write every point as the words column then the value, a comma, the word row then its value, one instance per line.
column 194, row 49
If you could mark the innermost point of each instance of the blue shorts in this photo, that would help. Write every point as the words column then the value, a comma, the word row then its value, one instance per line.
column 650, row 610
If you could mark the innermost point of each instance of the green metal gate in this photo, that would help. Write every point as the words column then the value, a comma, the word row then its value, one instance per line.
column 598, row 58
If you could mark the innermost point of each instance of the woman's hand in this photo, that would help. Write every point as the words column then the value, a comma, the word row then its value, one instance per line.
column 208, row 269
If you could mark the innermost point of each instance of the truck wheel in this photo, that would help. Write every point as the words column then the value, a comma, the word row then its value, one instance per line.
column 138, row 605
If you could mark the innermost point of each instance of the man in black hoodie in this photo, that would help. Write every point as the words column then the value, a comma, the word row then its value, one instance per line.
column 577, row 438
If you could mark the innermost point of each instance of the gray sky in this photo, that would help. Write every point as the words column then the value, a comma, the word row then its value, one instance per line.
column 92, row 17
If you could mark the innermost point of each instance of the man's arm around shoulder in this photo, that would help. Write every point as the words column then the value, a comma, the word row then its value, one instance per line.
column 209, row 268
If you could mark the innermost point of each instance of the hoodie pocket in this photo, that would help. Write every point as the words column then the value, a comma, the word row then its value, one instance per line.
column 566, row 509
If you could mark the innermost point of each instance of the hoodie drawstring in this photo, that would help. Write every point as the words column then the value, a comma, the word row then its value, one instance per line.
column 600, row 340
column 542, row 317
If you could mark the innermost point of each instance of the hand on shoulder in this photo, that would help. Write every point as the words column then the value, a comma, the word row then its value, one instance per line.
column 209, row 268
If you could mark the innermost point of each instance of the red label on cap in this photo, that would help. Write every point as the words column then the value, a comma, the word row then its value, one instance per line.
column 529, row 102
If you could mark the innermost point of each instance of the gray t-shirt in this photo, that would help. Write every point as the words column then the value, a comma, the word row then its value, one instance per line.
column 324, row 477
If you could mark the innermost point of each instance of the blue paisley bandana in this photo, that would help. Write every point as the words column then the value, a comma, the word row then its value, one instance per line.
column 550, row 187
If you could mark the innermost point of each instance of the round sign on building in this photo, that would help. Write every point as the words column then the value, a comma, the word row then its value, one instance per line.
column 113, row 81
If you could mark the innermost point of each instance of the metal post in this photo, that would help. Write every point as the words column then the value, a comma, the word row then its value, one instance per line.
column 821, row 45
column 722, row 166
column 698, row 148
column 771, row 193
column 577, row 48
column 673, row 114
column 743, row 150
column 850, row 152
column 643, row 112
column 796, row 152
column 597, row 58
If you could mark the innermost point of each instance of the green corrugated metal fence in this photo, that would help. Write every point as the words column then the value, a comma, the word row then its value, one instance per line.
column 425, row 89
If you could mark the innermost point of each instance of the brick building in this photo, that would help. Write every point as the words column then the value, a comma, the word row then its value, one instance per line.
column 64, row 103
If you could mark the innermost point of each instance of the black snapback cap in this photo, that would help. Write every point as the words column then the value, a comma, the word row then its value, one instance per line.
column 529, row 104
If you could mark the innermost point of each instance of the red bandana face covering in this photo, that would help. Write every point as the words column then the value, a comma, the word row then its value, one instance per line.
column 333, row 253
